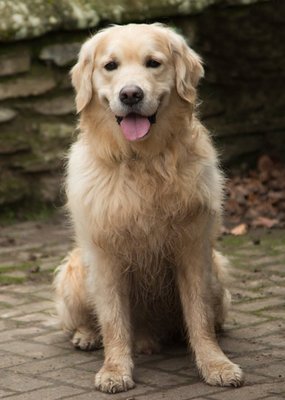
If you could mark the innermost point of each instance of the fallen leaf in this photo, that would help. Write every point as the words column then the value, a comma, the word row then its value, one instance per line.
column 238, row 230
column 265, row 164
column 266, row 222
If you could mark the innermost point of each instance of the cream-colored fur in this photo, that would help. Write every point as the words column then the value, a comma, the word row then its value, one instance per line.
column 146, row 213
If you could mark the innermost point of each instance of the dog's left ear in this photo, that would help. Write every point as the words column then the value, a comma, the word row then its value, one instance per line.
column 188, row 67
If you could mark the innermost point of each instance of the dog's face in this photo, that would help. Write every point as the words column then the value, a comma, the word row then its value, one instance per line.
column 132, row 70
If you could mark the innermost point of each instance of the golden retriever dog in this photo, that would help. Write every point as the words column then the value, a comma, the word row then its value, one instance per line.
column 144, row 192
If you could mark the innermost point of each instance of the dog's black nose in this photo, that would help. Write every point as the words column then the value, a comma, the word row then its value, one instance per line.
column 131, row 95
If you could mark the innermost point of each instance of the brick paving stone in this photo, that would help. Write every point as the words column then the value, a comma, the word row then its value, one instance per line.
column 45, row 294
column 51, row 393
column 161, row 379
column 174, row 364
column 242, row 319
column 253, row 378
column 34, row 307
column 261, row 304
column 192, row 391
column 92, row 366
column 9, row 360
column 242, row 295
column 85, row 380
column 237, row 345
column 37, row 360
column 276, row 313
column 17, row 382
column 266, row 261
column 5, row 393
column 276, row 290
column 51, row 364
column 71, row 376
column 52, row 338
column 31, row 350
column 258, row 330
column 34, row 317
column 6, row 324
column 276, row 371
column 254, row 360
column 277, row 279
column 254, row 392
column 276, row 340
column 131, row 395
column 20, row 290
column 18, row 333
column 275, row 397
column 12, row 299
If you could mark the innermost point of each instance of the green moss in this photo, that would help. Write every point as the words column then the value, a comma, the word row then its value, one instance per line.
column 229, row 241
column 12, row 188
column 20, row 273
column 26, row 211
column 259, row 313
column 9, row 280
column 9, row 268
column 12, row 141
column 271, row 241
column 242, row 253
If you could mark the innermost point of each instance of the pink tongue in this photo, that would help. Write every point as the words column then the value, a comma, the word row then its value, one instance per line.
column 135, row 126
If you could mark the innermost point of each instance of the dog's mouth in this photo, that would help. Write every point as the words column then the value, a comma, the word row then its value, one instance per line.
column 135, row 126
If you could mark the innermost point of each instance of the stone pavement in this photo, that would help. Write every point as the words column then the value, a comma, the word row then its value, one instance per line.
column 38, row 362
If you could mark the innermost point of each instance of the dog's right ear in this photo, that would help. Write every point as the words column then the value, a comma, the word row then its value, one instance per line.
column 81, row 75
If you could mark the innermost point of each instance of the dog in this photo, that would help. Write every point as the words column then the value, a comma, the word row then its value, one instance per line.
column 144, row 192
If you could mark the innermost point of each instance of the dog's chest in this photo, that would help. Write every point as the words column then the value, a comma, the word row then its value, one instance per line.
column 138, row 205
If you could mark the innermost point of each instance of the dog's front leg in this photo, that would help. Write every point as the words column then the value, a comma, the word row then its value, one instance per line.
column 110, row 297
column 194, row 282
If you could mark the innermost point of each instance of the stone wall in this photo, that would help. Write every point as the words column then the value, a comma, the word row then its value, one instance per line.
column 242, row 101
column 37, row 118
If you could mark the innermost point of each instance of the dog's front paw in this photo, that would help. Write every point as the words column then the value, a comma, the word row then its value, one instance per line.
column 85, row 339
column 222, row 373
column 112, row 380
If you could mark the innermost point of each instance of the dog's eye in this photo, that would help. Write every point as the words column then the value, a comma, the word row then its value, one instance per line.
column 110, row 66
column 152, row 64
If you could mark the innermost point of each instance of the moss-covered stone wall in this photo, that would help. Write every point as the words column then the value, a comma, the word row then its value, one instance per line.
column 22, row 19
column 242, row 100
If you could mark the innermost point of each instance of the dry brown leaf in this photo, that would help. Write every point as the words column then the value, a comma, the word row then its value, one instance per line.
column 265, row 222
column 275, row 196
column 265, row 164
column 238, row 230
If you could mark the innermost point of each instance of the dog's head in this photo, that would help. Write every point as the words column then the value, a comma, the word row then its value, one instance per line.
column 132, row 71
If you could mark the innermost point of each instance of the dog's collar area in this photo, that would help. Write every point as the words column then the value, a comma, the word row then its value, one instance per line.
column 151, row 118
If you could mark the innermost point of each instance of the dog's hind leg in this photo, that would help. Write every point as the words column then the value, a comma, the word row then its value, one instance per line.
column 75, row 314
